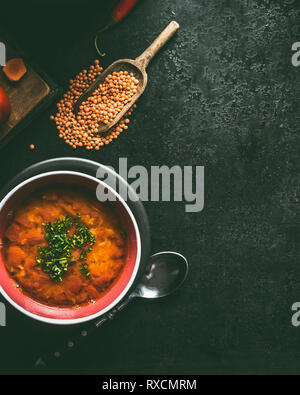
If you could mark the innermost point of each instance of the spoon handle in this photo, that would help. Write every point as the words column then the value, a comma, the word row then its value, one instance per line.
column 161, row 40
column 50, row 359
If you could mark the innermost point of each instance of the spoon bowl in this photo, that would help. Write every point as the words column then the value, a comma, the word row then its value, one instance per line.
column 167, row 271
column 120, row 65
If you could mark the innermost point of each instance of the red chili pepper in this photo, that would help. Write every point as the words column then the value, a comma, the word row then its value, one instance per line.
column 119, row 13
column 123, row 9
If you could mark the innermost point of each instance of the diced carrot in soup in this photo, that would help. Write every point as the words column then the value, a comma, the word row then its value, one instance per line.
column 68, row 209
column 83, row 296
column 23, row 219
column 15, row 255
column 92, row 292
column 30, row 262
column 50, row 214
column 74, row 284
column 59, row 298
column 34, row 237
column 13, row 232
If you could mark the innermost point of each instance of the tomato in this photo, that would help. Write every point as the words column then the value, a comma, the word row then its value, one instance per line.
column 5, row 108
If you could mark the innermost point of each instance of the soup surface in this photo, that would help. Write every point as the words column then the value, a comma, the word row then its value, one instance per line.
column 37, row 236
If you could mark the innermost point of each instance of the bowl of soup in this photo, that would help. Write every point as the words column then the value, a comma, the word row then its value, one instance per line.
column 66, row 257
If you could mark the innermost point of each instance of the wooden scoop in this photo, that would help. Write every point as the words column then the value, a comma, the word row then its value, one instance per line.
column 137, row 67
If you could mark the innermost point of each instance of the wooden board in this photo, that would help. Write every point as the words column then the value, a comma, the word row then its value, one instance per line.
column 25, row 95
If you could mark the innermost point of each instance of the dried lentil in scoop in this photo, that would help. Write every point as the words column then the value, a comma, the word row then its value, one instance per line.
column 101, row 107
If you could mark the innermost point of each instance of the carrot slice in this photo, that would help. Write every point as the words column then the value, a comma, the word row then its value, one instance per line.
column 15, row 69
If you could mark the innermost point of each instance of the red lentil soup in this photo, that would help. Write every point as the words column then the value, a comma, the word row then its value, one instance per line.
column 26, row 234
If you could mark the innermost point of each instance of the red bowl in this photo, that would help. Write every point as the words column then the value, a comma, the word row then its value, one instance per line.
column 73, row 315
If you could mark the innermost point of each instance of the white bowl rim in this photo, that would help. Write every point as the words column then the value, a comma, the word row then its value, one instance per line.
column 136, row 265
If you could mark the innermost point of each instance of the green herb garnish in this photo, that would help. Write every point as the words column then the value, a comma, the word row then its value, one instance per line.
column 85, row 270
column 57, row 256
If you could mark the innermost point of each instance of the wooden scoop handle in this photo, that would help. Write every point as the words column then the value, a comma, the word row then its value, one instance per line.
column 161, row 40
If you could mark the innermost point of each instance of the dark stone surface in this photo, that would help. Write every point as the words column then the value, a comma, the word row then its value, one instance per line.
column 225, row 95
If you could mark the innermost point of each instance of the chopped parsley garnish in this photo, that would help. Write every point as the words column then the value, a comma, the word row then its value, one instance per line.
column 57, row 256
column 85, row 270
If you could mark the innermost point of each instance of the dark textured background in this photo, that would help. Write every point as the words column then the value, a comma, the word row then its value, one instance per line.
column 222, row 94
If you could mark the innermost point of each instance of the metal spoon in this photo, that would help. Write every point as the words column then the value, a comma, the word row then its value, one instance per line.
column 166, row 273
column 137, row 67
